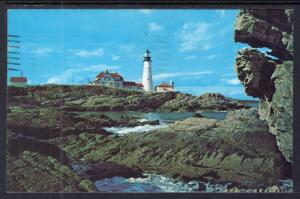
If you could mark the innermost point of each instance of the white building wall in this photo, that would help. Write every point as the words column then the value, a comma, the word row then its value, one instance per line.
column 164, row 89
column 18, row 84
column 147, row 77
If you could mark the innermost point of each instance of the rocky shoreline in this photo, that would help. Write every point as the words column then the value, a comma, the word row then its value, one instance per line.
column 238, row 148
column 57, row 142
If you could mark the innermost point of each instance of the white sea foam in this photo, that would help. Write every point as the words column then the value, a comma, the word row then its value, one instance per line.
column 136, row 129
column 151, row 183
column 159, row 183
column 165, row 184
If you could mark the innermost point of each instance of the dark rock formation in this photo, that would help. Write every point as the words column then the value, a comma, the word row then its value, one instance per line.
column 103, row 170
column 198, row 115
column 270, row 80
column 33, row 172
column 266, row 28
column 18, row 144
column 254, row 70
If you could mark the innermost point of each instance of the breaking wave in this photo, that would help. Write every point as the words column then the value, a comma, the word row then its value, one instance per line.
column 159, row 183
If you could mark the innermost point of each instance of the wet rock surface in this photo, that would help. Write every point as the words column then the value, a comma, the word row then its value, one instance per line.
column 98, row 171
column 239, row 149
column 270, row 79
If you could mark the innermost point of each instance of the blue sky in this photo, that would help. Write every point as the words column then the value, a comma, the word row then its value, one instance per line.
column 194, row 48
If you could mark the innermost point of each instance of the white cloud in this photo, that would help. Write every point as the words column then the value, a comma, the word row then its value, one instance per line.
column 221, row 13
column 76, row 75
column 190, row 57
column 41, row 51
column 163, row 76
column 154, row 27
column 146, row 11
column 114, row 58
column 194, row 36
column 89, row 53
column 233, row 81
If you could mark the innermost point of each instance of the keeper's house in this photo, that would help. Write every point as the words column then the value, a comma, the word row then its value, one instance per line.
column 115, row 80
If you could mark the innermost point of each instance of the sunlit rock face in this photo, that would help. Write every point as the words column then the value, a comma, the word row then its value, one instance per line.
column 265, row 77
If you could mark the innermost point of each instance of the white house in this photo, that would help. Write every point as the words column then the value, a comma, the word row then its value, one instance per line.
column 164, row 87
column 115, row 80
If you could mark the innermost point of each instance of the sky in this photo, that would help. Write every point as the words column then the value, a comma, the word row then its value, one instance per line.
column 194, row 48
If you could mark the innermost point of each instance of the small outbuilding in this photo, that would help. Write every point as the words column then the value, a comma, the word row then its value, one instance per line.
column 164, row 87
column 18, row 81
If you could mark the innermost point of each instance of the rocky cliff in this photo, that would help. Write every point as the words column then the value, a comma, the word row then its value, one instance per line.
column 269, row 76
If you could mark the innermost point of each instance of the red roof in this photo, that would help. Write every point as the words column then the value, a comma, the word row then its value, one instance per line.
column 113, row 75
column 100, row 75
column 139, row 85
column 18, row 79
column 165, row 85
column 129, row 84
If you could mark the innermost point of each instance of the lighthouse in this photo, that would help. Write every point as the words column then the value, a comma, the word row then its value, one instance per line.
column 147, row 74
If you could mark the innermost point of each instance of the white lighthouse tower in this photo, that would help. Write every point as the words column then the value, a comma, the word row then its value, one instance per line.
column 147, row 74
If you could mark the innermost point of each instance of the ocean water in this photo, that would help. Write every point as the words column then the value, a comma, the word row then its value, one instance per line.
column 164, row 119
column 159, row 183
column 151, row 183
